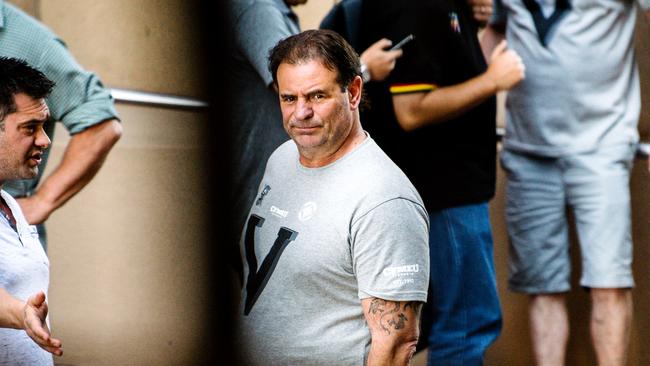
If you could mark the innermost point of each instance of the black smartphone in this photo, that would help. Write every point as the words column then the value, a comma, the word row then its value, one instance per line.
column 401, row 43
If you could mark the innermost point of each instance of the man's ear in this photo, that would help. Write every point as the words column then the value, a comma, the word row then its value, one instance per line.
column 354, row 92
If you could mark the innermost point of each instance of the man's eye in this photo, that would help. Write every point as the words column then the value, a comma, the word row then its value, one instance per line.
column 318, row 96
column 288, row 99
column 30, row 129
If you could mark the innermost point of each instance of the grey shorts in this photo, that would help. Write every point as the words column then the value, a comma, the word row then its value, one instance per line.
column 595, row 186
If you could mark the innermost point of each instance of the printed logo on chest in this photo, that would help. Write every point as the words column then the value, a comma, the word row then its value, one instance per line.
column 307, row 211
column 275, row 211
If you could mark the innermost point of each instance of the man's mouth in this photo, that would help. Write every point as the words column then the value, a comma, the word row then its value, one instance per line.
column 36, row 158
column 305, row 127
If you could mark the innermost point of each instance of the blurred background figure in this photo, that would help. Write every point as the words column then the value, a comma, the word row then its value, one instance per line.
column 570, row 141
column 436, row 118
column 78, row 100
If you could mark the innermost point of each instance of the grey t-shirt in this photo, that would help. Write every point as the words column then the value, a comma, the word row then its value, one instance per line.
column 24, row 270
column 581, row 90
column 319, row 240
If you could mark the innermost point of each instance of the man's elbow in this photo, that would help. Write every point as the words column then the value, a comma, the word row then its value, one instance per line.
column 398, row 351
column 113, row 131
column 409, row 347
column 407, row 121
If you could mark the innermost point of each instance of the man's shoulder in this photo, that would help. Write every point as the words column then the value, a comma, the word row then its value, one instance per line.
column 16, row 20
column 239, row 7
column 288, row 151
column 379, row 179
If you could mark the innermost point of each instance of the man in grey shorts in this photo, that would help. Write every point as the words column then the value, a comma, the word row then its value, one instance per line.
column 570, row 140
column 339, row 232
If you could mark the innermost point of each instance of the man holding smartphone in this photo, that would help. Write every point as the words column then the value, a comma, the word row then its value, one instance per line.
column 435, row 117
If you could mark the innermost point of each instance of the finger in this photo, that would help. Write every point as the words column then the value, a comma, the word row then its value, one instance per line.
column 38, row 335
column 36, row 330
column 395, row 54
column 383, row 43
column 500, row 48
column 53, row 350
column 37, row 299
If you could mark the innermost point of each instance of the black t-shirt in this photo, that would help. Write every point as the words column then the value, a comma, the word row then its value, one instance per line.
column 451, row 163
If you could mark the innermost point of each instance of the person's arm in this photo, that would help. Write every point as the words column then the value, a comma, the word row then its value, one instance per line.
column 379, row 59
column 83, row 157
column 415, row 110
column 29, row 316
column 490, row 38
column 254, row 44
column 394, row 330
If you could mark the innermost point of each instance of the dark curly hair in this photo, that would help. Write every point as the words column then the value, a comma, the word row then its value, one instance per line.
column 324, row 45
column 16, row 76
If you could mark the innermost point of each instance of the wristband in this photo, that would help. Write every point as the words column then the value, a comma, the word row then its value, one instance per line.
column 365, row 73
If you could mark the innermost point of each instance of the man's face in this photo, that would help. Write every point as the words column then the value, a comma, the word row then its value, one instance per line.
column 23, row 139
column 315, row 112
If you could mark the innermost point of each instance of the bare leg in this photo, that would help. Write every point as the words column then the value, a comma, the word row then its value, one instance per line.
column 611, row 319
column 549, row 325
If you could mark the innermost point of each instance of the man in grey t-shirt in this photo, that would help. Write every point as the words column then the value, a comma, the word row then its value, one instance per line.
column 335, row 244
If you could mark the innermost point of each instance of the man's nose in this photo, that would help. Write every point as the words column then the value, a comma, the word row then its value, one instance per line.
column 42, row 140
column 304, row 110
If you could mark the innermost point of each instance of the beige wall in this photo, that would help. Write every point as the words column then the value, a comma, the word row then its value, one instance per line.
column 127, row 263
column 312, row 12
column 148, row 45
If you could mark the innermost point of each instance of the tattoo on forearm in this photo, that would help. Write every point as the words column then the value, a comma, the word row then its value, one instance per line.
column 390, row 315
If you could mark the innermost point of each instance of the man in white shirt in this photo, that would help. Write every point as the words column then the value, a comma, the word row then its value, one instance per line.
column 24, row 267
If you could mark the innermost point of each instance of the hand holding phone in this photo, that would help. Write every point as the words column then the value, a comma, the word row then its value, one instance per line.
column 379, row 60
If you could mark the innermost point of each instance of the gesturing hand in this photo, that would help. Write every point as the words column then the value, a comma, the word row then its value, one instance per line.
column 35, row 312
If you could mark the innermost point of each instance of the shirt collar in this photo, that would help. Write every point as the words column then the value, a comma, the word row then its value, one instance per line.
column 2, row 14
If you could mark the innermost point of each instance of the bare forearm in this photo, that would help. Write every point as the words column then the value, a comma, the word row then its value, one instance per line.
column 441, row 104
column 390, row 355
column 11, row 311
column 504, row 71
column 82, row 159
column 394, row 327
column 490, row 38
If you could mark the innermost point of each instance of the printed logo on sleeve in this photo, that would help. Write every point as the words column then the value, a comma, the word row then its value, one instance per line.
column 402, row 274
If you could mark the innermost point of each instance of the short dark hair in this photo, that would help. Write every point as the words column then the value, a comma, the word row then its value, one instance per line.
column 324, row 45
column 16, row 76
